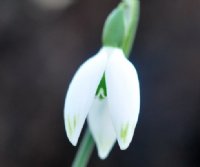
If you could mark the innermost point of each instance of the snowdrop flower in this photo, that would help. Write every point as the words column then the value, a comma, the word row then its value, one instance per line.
column 111, row 107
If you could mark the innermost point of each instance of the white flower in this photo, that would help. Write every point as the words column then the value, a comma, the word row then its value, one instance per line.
column 112, row 109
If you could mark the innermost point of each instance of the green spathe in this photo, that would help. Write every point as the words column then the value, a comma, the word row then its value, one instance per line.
column 121, row 26
column 114, row 28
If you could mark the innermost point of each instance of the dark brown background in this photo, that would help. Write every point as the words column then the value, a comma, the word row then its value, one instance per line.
column 40, row 49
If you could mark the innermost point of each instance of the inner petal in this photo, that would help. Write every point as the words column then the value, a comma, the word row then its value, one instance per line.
column 101, row 127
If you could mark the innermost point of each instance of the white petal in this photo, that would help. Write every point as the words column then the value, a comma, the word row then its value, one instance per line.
column 81, row 94
column 101, row 127
column 123, row 96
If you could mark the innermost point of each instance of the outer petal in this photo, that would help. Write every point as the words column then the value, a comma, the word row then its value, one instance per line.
column 123, row 96
column 81, row 94
column 101, row 127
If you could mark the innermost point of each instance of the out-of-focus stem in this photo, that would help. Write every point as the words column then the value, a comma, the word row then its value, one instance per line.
column 85, row 150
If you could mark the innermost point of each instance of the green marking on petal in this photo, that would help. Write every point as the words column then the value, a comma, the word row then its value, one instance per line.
column 102, row 90
column 75, row 121
column 71, row 124
column 124, row 132
column 69, row 127
column 101, row 94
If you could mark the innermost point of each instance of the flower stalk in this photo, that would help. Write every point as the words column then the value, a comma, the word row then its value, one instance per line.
column 84, row 151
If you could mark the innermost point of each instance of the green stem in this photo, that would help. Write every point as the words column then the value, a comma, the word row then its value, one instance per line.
column 85, row 150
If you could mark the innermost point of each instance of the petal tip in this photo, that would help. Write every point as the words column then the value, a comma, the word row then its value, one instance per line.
column 102, row 155
column 72, row 140
column 125, row 136
column 72, row 130
column 122, row 145
column 104, row 150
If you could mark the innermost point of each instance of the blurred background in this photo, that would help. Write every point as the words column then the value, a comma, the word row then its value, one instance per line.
column 43, row 42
